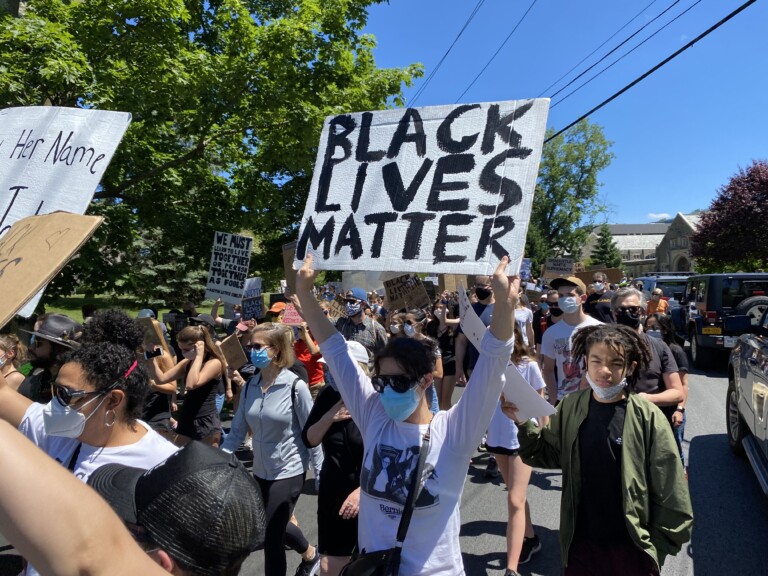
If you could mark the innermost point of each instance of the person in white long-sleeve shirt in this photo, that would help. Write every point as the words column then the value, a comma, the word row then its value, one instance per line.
column 275, row 405
column 392, row 413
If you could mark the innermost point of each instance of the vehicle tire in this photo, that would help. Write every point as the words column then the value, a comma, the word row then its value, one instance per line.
column 735, row 426
column 753, row 307
column 699, row 357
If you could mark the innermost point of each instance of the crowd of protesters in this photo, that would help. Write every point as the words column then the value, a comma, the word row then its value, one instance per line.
column 357, row 397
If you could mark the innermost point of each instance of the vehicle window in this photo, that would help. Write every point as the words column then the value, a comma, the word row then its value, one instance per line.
column 735, row 290
column 701, row 291
column 669, row 287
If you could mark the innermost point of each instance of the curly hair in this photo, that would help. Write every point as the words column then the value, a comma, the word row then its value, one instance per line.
column 621, row 339
column 415, row 357
column 108, row 352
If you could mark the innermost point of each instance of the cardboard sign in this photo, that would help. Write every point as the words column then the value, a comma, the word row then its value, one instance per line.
column 406, row 292
column 34, row 250
column 291, row 315
column 52, row 159
column 233, row 352
column 289, row 254
column 557, row 267
column 253, row 302
column 443, row 188
column 229, row 267
column 338, row 306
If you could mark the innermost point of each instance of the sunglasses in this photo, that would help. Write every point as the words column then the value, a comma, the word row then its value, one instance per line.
column 66, row 395
column 256, row 347
column 634, row 310
column 399, row 383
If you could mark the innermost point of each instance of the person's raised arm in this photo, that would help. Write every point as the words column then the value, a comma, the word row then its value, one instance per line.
column 161, row 376
column 318, row 323
column 505, row 294
column 90, row 538
column 13, row 405
column 215, row 312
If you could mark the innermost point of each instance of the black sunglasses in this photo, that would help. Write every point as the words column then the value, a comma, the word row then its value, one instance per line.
column 256, row 347
column 634, row 310
column 65, row 395
column 399, row 383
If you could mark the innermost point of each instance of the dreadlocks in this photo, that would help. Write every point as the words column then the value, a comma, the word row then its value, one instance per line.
column 622, row 339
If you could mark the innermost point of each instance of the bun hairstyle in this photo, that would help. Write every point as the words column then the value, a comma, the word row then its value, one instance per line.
column 11, row 343
column 109, row 343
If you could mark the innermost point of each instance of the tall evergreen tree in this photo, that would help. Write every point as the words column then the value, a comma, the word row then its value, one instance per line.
column 606, row 253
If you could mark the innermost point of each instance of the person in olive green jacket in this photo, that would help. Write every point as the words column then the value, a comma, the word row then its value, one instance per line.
column 625, row 503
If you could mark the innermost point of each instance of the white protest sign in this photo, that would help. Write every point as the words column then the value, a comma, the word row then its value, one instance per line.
column 471, row 325
column 444, row 188
column 529, row 403
column 229, row 267
column 556, row 267
column 52, row 159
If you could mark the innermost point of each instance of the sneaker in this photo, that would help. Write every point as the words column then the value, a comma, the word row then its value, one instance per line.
column 511, row 573
column 309, row 567
column 530, row 547
column 492, row 470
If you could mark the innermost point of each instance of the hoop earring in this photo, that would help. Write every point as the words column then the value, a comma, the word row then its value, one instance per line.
column 114, row 418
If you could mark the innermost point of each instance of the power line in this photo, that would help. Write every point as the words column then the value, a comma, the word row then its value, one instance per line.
column 497, row 52
column 620, row 58
column 596, row 49
column 421, row 89
column 635, row 33
column 652, row 70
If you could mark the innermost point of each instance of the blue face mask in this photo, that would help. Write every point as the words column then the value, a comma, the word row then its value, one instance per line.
column 400, row 405
column 353, row 309
column 260, row 358
column 544, row 306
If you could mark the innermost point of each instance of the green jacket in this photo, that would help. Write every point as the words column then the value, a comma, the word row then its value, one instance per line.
column 657, row 504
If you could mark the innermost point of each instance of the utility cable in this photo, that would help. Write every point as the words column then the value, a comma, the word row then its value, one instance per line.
column 620, row 58
column 497, row 52
column 556, row 82
column 635, row 33
column 652, row 70
column 421, row 89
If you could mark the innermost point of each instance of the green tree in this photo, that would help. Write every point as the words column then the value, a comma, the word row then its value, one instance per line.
column 731, row 236
column 566, row 202
column 227, row 97
column 606, row 253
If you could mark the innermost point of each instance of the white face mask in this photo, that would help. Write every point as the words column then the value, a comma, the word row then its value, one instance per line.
column 409, row 330
column 599, row 286
column 607, row 394
column 569, row 304
column 64, row 421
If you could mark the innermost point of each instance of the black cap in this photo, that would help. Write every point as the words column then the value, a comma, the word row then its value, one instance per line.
column 206, row 319
column 59, row 329
column 201, row 505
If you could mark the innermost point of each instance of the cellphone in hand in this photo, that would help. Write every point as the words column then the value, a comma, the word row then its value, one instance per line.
column 153, row 353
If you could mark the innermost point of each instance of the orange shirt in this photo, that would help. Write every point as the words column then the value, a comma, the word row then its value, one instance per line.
column 659, row 306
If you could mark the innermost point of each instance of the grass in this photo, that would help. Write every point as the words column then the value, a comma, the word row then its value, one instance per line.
column 72, row 306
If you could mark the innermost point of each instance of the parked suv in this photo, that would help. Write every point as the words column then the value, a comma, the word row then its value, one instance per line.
column 710, row 298
column 669, row 283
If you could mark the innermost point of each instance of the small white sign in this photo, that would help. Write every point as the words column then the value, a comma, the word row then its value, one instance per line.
column 230, row 257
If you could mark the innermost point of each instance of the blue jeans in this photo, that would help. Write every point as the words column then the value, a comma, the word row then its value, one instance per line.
column 679, row 435
column 434, row 404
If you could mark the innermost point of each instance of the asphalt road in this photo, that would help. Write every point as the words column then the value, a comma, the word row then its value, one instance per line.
column 731, row 512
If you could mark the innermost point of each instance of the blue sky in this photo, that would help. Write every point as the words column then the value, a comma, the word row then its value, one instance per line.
column 677, row 136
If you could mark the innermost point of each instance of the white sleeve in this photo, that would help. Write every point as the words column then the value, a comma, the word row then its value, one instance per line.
column 469, row 418
column 548, row 344
column 354, row 386
column 534, row 377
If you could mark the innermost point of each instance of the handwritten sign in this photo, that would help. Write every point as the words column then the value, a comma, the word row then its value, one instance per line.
column 291, row 315
column 443, row 188
column 52, row 159
column 253, row 304
column 338, row 306
column 229, row 267
column 34, row 250
column 557, row 267
column 233, row 352
column 406, row 291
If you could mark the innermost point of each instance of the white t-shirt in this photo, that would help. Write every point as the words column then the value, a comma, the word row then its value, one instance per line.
column 502, row 431
column 146, row 453
column 523, row 317
column 391, row 455
column 556, row 344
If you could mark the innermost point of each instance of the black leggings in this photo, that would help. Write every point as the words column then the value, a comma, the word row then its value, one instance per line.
column 280, row 497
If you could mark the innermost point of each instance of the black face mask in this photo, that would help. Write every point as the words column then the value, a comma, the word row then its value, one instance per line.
column 482, row 293
column 626, row 318
column 555, row 311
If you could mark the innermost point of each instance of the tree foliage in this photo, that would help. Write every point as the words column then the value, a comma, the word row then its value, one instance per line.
column 606, row 253
column 227, row 98
column 732, row 234
column 566, row 201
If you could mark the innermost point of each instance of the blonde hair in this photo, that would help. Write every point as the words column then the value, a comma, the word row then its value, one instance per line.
column 192, row 334
column 11, row 343
column 279, row 337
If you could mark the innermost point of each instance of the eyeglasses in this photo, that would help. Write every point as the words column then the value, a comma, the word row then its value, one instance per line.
column 399, row 383
column 65, row 395
column 256, row 347
column 634, row 310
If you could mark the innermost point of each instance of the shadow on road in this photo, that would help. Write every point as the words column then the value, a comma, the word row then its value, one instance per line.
column 547, row 561
column 730, row 511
